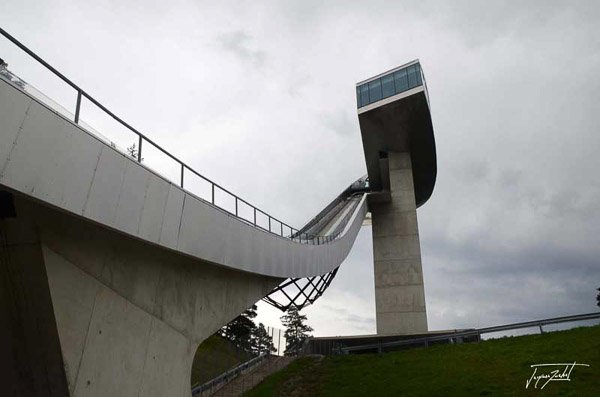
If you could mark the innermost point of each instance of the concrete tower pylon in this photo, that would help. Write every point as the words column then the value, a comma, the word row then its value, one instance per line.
column 399, row 288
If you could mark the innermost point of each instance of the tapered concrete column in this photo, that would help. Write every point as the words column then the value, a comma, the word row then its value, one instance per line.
column 89, row 312
column 399, row 290
column 31, row 363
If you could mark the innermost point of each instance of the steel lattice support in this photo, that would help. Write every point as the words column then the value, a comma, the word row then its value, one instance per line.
column 296, row 295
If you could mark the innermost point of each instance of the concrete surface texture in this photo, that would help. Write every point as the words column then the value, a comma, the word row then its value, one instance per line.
column 90, row 312
column 49, row 158
column 399, row 289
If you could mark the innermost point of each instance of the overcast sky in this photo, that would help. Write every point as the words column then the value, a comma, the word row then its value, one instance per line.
column 260, row 97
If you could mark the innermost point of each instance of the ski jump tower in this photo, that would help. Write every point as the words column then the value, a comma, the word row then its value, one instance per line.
column 399, row 146
column 112, row 274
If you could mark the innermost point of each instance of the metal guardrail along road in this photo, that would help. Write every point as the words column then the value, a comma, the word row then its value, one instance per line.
column 227, row 376
column 475, row 332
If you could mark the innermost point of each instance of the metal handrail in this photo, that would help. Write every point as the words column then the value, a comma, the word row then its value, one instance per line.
column 141, row 138
column 474, row 332
column 227, row 376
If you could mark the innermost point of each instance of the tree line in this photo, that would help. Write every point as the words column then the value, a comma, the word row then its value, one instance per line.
column 246, row 335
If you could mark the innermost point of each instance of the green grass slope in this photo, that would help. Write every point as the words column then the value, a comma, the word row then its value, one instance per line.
column 214, row 356
column 498, row 367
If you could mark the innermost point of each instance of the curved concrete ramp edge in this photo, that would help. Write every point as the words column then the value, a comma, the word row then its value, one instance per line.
column 49, row 158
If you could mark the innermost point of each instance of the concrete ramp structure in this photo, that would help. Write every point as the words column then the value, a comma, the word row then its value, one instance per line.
column 111, row 274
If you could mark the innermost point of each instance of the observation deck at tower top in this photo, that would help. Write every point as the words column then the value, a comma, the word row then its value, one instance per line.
column 394, row 116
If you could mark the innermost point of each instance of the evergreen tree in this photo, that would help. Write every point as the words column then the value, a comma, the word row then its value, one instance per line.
column 262, row 342
column 296, row 331
column 240, row 330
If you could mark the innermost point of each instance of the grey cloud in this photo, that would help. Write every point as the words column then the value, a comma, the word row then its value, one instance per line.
column 353, row 318
column 298, row 83
column 340, row 122
column 239, row 43
column 473, row 170
column 509, row 178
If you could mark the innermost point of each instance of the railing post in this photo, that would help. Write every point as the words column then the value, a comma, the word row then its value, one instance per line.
column 77, row 107
column 254, row 216
column 139, row 149
column 213, row 193
column 182, row 168
column 541, row 329
column 269, row 222
column 281, row 223
column 236, row 206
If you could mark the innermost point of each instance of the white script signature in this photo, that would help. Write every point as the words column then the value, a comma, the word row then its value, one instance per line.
column 554, row 373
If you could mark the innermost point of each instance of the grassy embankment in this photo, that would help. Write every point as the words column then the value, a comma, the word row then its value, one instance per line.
column 215, row 356
column 498, row 367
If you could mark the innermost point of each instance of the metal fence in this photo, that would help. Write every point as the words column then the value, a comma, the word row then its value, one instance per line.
column 259, row 356
column 458, row 337
column 284, row 230
column 229, row 375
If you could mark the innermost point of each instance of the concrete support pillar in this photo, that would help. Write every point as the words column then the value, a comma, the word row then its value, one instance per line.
column 399, row 289
column 31, row 362
column 88, row 312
